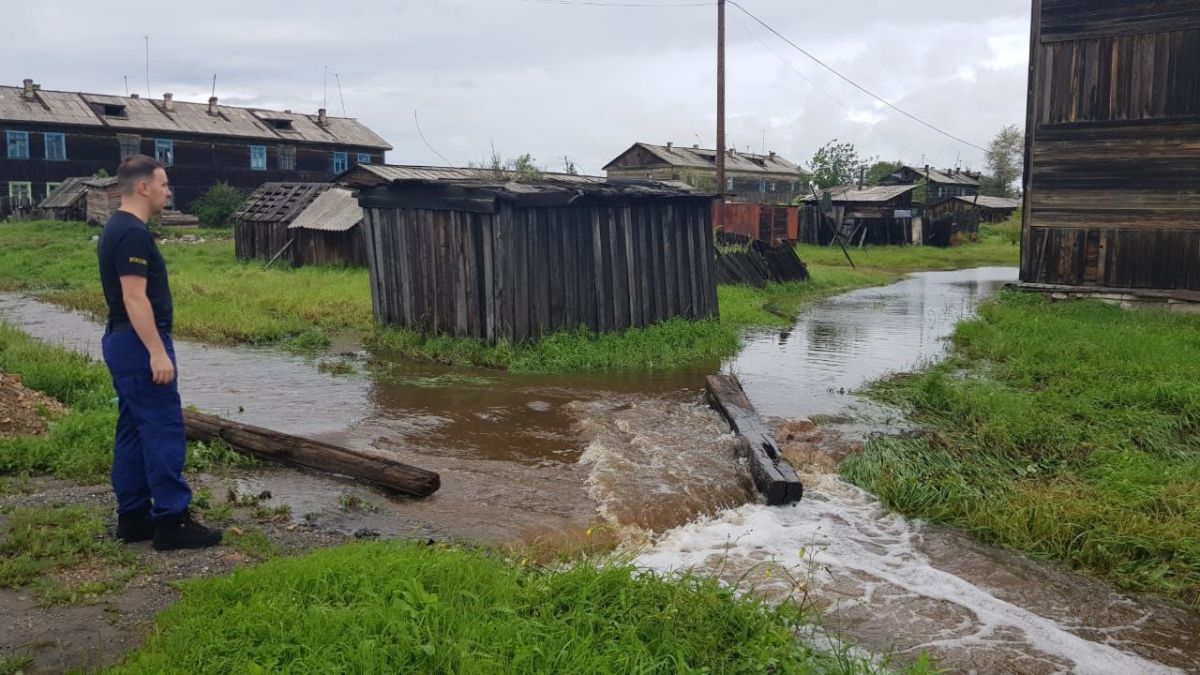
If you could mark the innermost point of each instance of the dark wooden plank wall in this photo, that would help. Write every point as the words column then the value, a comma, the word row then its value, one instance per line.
column 318, row 247
column 521, row 273
column 1114, row 145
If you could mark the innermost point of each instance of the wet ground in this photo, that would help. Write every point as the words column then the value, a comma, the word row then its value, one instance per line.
column 521, row 456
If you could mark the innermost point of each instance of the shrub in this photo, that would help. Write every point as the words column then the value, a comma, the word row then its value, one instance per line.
column 218, row 204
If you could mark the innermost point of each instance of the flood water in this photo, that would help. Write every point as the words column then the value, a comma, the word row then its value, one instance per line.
column 521, row 456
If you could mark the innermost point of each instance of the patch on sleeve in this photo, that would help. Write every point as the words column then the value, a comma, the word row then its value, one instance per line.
column 139, row 261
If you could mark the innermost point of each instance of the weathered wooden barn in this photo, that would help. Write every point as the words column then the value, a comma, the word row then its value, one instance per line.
column 879, row 215
column 329, row 231
column 260, row 226
column 1112, row 176
column 103, row 196
column 52, row 135
column 507, row 261
column 67, row 201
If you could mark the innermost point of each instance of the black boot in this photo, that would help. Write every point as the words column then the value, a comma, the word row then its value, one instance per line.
column 135, row 526
column 182, row 531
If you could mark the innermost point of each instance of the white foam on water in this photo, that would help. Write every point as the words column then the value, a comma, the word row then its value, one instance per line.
column 841, row 528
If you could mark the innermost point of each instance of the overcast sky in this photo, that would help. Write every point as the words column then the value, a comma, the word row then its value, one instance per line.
column 559, row 79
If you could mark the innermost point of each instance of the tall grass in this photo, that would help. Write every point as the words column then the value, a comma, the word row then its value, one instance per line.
column 391, row 607
column 1069, row 431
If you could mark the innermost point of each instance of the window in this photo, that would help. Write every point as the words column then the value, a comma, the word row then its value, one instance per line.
column 56, row 147
column 164, row 151
column 113, row 110
column 51, row 187
column 18, row 144
column 341, row 162
column 762, row 184
column 771, row 187
column 258, row 157
column 282, row 125
column 364, row 158
column 20, row 194
column 287, row 157
column 941, row 192
column 130, row 144
column 728, row 184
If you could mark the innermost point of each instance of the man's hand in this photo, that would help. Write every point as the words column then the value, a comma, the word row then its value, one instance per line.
column 162, row 369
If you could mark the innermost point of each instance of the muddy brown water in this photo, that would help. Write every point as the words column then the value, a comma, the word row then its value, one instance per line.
column 523, row 455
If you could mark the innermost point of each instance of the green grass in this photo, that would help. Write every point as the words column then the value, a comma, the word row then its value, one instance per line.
column 35, row 542
column 396, row 607
column 1068, row 431
column 220, row 300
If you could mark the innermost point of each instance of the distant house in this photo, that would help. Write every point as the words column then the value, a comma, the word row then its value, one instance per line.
column 942, row 184
column 881, row 214
column 990, row 209
column 50, row 136
column 763, row 179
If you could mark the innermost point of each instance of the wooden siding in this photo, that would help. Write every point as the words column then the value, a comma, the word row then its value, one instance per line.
column 519, row 273
column 1113, row 146
column 320, row 247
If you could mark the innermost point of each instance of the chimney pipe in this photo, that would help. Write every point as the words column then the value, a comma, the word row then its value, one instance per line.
column 771, row 155
column 28, row 88
column 212, row 105
column 322, row 119
column 169, row 102
column 669, row 146
column 695, row 146
column 134, row 95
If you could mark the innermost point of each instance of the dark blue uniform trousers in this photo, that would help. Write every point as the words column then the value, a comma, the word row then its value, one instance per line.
column 151, row 445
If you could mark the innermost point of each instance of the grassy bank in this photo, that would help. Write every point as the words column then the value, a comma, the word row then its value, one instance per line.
column 1068, row 431
column 221, row 300
column 414, row 608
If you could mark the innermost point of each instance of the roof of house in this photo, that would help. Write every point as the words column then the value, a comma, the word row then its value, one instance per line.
column 183, row 117
column 67, row 194
column 702, row 158
column 485, row 196
column 992, row 202
column 947, row 176
column 334, row 210
column 379, row 174
column 278, row 202
column 870, row 194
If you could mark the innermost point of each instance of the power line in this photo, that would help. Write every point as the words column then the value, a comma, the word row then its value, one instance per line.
column 422, row 135
column 851, row 82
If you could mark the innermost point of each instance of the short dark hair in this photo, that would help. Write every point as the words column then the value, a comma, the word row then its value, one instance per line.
column 136, row 168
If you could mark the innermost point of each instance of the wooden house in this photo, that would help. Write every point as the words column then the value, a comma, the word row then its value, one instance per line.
column 260, row 226
column 50, row 136
column 329, row 231
column 749, row 178
column 881, row 215
column 1112, row 176
column 508, row 261
column 940, row 183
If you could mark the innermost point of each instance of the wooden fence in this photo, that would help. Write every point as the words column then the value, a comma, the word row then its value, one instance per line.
column 478, row 261
column 746, row 261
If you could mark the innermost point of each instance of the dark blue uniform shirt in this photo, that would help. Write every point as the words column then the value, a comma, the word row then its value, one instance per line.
column 127, row 248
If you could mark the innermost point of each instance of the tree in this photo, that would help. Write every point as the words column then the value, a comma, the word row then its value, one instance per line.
column 216, row 206
column 1005, row 160
column 836, row 164
column 524, row 167
column 879, row 171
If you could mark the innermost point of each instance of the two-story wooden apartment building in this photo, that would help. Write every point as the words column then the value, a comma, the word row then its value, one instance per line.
column 53, row 135
column 763, row 179
column 942, row 184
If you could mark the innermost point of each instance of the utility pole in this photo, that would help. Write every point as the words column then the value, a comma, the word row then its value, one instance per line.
column 720, row 219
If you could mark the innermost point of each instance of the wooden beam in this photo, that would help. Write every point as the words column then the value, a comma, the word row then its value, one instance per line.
column 772, row 475
column 279, row 447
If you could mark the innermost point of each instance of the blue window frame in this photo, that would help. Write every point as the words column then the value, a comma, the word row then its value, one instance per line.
column 341, row 162
column 258, row 157
column 364, row 158
column 18, row 144
column 164, row 151
column 56, row 147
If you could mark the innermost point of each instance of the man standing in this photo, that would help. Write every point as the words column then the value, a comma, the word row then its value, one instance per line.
column 147, row 469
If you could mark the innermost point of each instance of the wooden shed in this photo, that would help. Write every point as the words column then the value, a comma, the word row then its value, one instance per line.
column 1112, row 176
column 103, row 197
column 68, row 201
column 880, row 215
column 260, row 227
column 513, row 261
column 329, row 231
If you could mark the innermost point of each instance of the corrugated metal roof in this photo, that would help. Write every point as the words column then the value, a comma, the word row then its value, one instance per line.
column 143, row 114
column 992, row 202
column 66, row 194
column 335, row 210
column 702, row 158
column 875, row 193
column 278, row 202
column 385, row 173
column 947, row 177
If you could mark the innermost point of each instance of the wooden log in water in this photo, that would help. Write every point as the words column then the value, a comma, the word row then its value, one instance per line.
column 273, row 445
column 772, row 475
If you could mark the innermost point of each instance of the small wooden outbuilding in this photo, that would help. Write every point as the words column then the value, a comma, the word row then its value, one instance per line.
column 329, row 231
column 882, row 214
column 103, row 197
column 260, row 226
column 68, row 201
column 513, row 261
